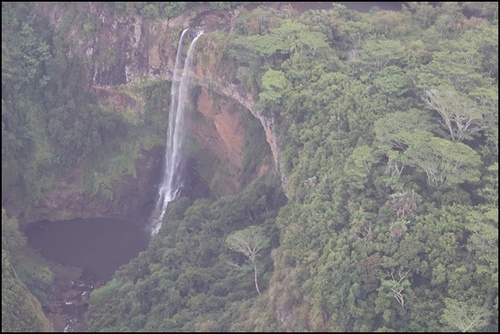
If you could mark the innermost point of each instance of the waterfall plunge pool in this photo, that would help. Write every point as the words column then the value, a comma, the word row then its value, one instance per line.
column 97, row 245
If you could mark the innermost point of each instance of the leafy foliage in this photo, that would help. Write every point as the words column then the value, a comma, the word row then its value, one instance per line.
column 21, row 311
column 51, row 120
column 387, row 131
column 188, row 278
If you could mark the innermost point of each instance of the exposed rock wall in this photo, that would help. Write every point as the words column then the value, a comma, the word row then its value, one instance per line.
column 128, row 50
column 232, row 91
column 133, row 197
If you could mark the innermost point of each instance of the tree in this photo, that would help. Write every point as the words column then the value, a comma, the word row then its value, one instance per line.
column 483, row 240
column 486, row 46
column 465, row 316
column 398, row 228
column 457, row 64
column 489, row 191
column 392, row 81
column 377, row 54
column 21, row 311
column 485, row 9
column 447, row 21
column 150, row 11
column 394, row 132
column 173, row 8
column 358, row 166
column 249, row 242
column 11, row 236
column 394, row 129
column 444, row 161
column 354, row 32
column 390, row 23
column 397, row 286
column 460, row 115
column 274, row 83
column 389, row 289
column 23, row 53
column 404, row 203
column 424, row 13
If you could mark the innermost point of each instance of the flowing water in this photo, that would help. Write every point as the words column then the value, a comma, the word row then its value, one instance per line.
column 172, row 174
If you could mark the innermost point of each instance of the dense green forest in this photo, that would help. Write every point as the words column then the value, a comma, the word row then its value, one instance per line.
column 388, row 135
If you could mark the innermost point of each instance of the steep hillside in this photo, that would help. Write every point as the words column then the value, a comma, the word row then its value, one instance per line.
column 21, row 311
column 343, row 165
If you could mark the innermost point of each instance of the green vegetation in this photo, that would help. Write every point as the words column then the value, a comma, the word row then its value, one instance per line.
column 363, row 129
column 21, row 311
column 168, row 9
column 51, row 121
column 387, row 128
column 189, row 276
column 52, row 126
column 249, row 242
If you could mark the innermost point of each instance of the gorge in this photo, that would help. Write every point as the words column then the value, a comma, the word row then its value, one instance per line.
column 217, row 127
column 249, row 167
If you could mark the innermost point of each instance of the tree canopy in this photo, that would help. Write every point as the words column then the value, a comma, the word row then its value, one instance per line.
column 386, row 127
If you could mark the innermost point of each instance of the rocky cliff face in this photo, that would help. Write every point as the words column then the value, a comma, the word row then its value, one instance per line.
column 233, row 92
column 132, row 197
column 129, row 51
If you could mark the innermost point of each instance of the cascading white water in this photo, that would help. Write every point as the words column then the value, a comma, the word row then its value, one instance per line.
column 172, row 181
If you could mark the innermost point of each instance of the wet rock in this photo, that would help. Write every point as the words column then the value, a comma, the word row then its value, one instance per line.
column 55, row 307
column 70, row 295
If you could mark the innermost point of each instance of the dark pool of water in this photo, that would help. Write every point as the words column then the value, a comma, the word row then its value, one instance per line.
column 99, row 246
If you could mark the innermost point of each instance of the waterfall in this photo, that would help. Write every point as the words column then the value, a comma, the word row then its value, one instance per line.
column 172, row 181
